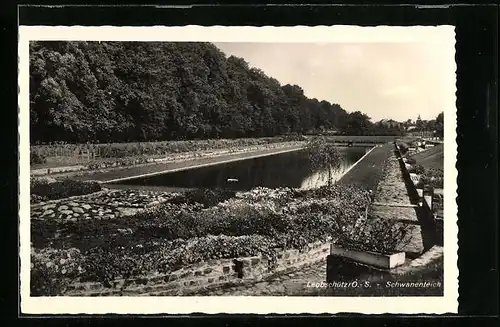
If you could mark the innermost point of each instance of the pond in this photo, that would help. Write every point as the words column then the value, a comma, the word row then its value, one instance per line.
column 291, row 169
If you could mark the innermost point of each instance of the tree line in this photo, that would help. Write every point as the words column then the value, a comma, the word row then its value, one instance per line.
column 149, row 91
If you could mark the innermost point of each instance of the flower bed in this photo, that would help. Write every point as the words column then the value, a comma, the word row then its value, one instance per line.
column 171, row 235
column 43, row 189
column 433, row 177
column 367, row 173
column 403, row 147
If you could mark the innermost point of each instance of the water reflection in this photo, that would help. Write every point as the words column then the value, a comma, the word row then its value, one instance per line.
column 290, row 169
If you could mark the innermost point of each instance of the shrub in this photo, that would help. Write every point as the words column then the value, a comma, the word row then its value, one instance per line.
column 433, row 178
column 280, row 196
column 37, row 159
column 417, row 169
column 171, row 235
column 208, row 197
column 403, row 147
column 63, row 189
column 377, row 235
column 53, row 269
column 247, row 218
column 113, row 262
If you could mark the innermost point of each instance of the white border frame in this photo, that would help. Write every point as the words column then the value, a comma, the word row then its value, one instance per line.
column 259, row 304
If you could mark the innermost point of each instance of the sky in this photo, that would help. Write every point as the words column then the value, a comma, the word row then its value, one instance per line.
column 384, row 80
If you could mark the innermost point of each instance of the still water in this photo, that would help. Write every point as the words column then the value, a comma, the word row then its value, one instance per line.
column 291, row 169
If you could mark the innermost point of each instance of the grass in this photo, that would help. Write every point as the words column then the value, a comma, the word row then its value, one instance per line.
column 368, row 172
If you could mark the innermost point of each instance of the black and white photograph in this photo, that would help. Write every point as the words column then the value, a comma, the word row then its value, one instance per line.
column 302, row 165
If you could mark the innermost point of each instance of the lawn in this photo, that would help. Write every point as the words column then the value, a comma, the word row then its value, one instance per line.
column 368, row 172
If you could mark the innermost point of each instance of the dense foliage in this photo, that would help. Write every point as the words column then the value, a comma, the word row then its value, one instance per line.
column 149, row 91
column 433, row 178
column 416, row 169
column 37, row 158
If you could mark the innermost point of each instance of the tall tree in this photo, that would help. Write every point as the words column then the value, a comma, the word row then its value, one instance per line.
column 147, row 91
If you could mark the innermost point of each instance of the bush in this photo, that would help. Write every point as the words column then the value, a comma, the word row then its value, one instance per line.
column 133, row 149
column 403, row 147
column 63, row 189
column 37, row 159
column 294, row 137
column 433, row 178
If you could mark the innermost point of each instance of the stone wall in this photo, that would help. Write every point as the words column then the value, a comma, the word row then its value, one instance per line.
column 210, row 275
column 425, row 207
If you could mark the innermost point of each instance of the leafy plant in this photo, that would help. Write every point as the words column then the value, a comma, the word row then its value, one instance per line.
column 208, row 197
column 417, row 169
column 52, row 270
column 323, row 155
column 403, row 147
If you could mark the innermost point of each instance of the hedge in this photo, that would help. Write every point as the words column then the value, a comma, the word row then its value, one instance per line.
column 44, row 190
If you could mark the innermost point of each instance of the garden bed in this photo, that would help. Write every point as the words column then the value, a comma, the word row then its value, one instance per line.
column 172, row 235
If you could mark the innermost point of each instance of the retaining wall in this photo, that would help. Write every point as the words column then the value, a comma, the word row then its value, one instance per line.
column 213, row 274
column 424, row 204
